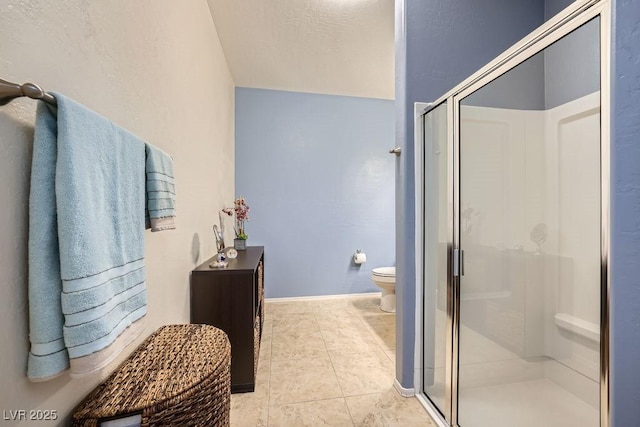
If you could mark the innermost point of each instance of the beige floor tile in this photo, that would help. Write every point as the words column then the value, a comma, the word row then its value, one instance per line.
column 391, row 354
column 263, row 375
column 384, row 333
column 383, row 318
column 267, row 327
column 300, row 380
column 376, row 317
column 332, row 412
column 365, row 305
column 268, row 309
column 387, row 409
column 315, row 352
column 288, row 307
column 294, row 321
column 362, row 373
column 265, row 356
column 265, row 347
column 295, row 344
column 328, row 319
column 249, row 410
column 335, row 304
column 373, row 315
column 349, row 340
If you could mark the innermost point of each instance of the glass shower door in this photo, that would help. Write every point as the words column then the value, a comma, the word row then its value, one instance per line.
column 529, row 213
column 436, row 269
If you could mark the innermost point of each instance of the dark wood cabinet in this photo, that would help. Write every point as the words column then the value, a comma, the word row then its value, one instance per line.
column 232, row 299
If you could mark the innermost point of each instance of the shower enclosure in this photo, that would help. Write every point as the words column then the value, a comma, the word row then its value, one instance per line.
column 514, row 222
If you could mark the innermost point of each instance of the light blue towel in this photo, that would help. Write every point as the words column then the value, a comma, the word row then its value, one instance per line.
column 86, row 230
column 161, row 192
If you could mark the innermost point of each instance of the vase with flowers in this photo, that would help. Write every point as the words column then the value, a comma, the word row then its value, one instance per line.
column 240, row 211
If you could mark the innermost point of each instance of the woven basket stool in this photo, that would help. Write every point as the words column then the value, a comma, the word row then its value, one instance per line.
column 179, row 376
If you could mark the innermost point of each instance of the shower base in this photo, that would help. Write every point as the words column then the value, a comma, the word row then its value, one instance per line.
column 534, row 403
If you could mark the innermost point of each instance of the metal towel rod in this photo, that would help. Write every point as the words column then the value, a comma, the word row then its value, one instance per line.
column 396, row 151
column 10, row 91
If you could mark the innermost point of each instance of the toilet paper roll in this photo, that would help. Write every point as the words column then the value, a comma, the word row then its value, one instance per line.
column 360, row 258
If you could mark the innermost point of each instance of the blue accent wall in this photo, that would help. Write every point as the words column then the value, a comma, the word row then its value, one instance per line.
column 625, row 215
column 318, row 177
column 553, row 7
column 439, row 43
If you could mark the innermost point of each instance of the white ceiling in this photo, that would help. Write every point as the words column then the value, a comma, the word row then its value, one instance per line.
column 338, row 47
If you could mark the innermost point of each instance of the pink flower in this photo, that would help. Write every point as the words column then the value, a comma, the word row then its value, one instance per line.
column 241, row 211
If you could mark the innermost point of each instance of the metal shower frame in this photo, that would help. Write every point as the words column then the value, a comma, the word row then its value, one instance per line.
column 553, row 30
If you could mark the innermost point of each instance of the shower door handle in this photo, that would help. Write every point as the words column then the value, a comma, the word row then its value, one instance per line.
column 458, row 262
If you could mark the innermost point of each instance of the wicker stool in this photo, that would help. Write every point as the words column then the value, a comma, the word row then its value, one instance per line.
column 179, row 376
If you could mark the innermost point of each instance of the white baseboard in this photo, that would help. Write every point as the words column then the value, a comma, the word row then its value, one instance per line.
column 321, row 297
column 404, row 392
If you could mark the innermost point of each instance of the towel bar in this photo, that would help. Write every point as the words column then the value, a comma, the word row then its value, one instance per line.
column 10, row 91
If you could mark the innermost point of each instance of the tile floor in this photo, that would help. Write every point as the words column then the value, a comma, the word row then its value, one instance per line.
column 327, row 362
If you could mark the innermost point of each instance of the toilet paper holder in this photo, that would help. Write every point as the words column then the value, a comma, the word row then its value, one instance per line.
column 359, row 257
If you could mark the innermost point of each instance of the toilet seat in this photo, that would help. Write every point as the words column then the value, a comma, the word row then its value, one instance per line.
column 384, row 272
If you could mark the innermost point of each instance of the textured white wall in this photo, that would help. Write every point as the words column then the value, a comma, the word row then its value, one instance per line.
column 332, row 47
column 153, row 67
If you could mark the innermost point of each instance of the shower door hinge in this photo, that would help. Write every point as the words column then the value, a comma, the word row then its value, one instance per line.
column 458, row 262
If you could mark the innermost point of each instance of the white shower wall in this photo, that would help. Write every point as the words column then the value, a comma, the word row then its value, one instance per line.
column 525, row 168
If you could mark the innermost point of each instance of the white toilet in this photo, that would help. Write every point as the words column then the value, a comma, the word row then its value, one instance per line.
column 385, row 278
